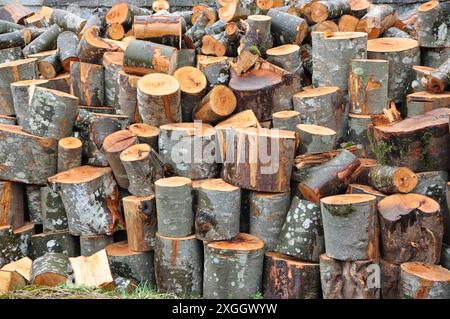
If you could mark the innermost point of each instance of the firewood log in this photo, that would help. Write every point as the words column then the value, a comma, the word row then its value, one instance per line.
column 349, row 279
column 67, row 20
column 19, row 38
column 92, row 47
column 10, row 281
column 423, row 281
column 193, row 37
column 221, row 44
column 186, row 57
column 60, row 83
column 143, row 57
column 12, row 208
column 234, row 10
column 287, row 28
column 33, row 201
column 216, row 70
column 289, row 278
column 249, row 51
column 192, row 86
column 51, row 269
column 112, row 65
column 315, row 139
column 217, row 105
column 90, row 244
column 87, row 83
column 21, row 96
column 93, row 271
column 69, row 153
column 90, row 198
column 262, row 25
column 328, row 26
column 433, row 57
column 163, row 29
column 377, row 20
column 120, row 18
column 54, row 217
column 15, row 12
column 330, row 69
column 174, row 206
column 44, row 42
column 10, row 54
column 285, row 56
column 146, row 134
column 131, row 264
column 365, row 189
column 431, row 20
column 390, row 180
column 42, row 55
column 198, row 10
column 348, row 23
column 436, row 81
column 126, row 95
column 411, row 228
column 7, row 27
column 419, row 103
column 96, row 18
column 286, row 120
column 160, row 5
column 419, row 72
column 358, row 132
column 178, row 265
column 324, row 10
column 389, row 275
column 393, row 32
column 54, row 242
column 50, row 66
column 15, row 244
column 22, row 267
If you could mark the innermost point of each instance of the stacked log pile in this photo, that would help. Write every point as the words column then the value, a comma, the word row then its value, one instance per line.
column 298, row 152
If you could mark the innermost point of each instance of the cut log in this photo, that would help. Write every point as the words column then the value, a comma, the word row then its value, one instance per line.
column 262, row 26
column 325, row 10
column 241, row 117
column 7, row 27
column 19, row 38
column 390, row 180
column 158, row 99
column 328, row 26
column 112, row 64
column 192, row 86
column 286, row 120
column 315, row 139
column 240, row 261
column 432, row 25
column 14, row 245
column 120, row 18
column 91, row 47
column 10, row 281
column 419, row 103
column 329, row 178
column 330, row 69
column 10, row 54
column 423, row 281
column 193, row 37
column 234, row 10
column 54, row 242
column 216, row 70
column 50, row 66
column 358, row 132
column 251, row 164
column 393, row 32
column 21, row 96
column 368, row 86
column 45, row 42
column 186, row 57
column 69, row 153
column 389, row 275
column 349, row 279
column 285, row 56
column 54, row 217
column 90, row 198
column 146, row 134
column 96, row 18
column 222, row 44
column 433, row 57
column 436, row 81
column 160, row 5
column 287, row 28
column 42, row 55
column 411, row 228
column 348, row 23
column 217, row 105
column 90, row 244
column 93, row 271
column 15, row 12
column 51, row 270
column 414, row 142
column 11, row 204
column 178, row 265
column 197, row 11
column 31, row 167
column 377, row 20
column 189, row 149
column 67, row 20
column 174, row 206
column 364, row 189
column 163, row 29
column 33, row 200
column 21, row 266
column 87, row 83
column 360, row 7
column 402, row 54
column 143, row 57
column 36, row 21
column 60, row 83
column 126, row 95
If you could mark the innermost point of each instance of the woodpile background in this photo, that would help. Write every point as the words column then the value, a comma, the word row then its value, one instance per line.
column 297, row 149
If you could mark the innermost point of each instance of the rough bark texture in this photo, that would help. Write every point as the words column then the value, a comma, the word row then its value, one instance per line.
column 436, row 81
column 445, row 256
column 52, row 269
column 146, row 134
column 126, row 95
column 419, row 103
column 393, row 32
column 90, row 244
column 11, row 204
column 67, row 20
column 45, row 42
column 433, row 57
column 285, row 56
column 87, row 83
column 216, row 70
column 235, row 10
column 54, row 217
column 54, row 242
column 389, row 279
column 287, row 28
column 10, row 54
column 69, row 153
column 286, row 120
column 433, row 25
column 92, row 47
column 67, row 43
column 33, row 197
column 112, row 64
column 314, row 139
column 358, row 132
column 391, row 180
column 377, row 20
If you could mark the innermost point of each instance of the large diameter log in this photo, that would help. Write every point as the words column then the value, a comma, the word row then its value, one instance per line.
column 45, row 42
column 251, row 164
column 351, row 227
column 11, row 72
column 402, row 54
column 90, row 198
column 217, row 105
column 326, row 10
column 414, row 142
column 178, row 265
column 419, row 103
column 15, row 12
column 87, row 83
column 54, row 242
column 69, row 153
column 436, row 81
column 31, row 167
column 411, row 228
column 287, row 28
column 377, row 20
column 233, row 269
column 188, row 149
column 10, row 54
column 112, row 64
column 33, row 200
column 423, row 281
column 146, row 134
column 51, row 269
column 131, row 264
column 143, row 57
column 12, row 204
column 174, row 206
column 92, row 47
column 90, row 244
column 330, row 69
column 93, row 271
column 390, row 180
column 432, row 24
column 349, row 279
column 67, row 20
column 216, row 70
column 54, row 217
column 126, row 95
column 158, row 99
column 368, row 86
column 218, row 211
column 315, row 139
column 289, row 278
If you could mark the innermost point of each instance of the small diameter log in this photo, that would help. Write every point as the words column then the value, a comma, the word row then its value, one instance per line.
column 158, row 99
column 322, row 106
column 11, row 72
column 112, row 146
column 69, row 153
column 160, row 5
column 163, row 29
column 54, row 242
column 11, row 281
column 414, row 142
column 131, row 264
column 51, row 269
column 411, row 228
column 393, row 32
column 216, row 70
column 329, row 178
column 250, row 164
column 348, row 23
column 436, row 81
column 287, row 28
column 192, row 86
column 67, row 20
column 377, row 20
column 217, row 105
column 96, row 18
column 218, row 211
column 189, row 149
column 141, row 221
column 315, row 139
column 235, row 10
column 90, row 244
column 31, row 167
column 402, row 54
column 349, row 279
column 143, row 57
column 50, row 66
column 368, row 86
column 289, row 278
column 262, row 25
column 390, row 180
column 93, row 271
column 92, row 47
column 174, row 206
column 433, row 57
column 7, row 27
column 389, row 275
column 33, row 200
column 10, row 54
column 285, row 56
column 19, row 38
column 90, row 198
column 146, row 134
column 358, row 132
column 45, row 42
column 87, row 83
column 240, row 261
column 60, row 83
column 42, row 55
column 419, row 103
column 54, row 217
column 286, row 120
column 126, row 95
column 197, row 11
column 12, row 204
column 432, row 24
column 120, row 18
column 325, row 10
column 193, row 37
column 222, row 44
column 178, row 265
column 15, row 12
column 423, row 281
column 51, row 113
column 21, row 267
column 330, row 69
